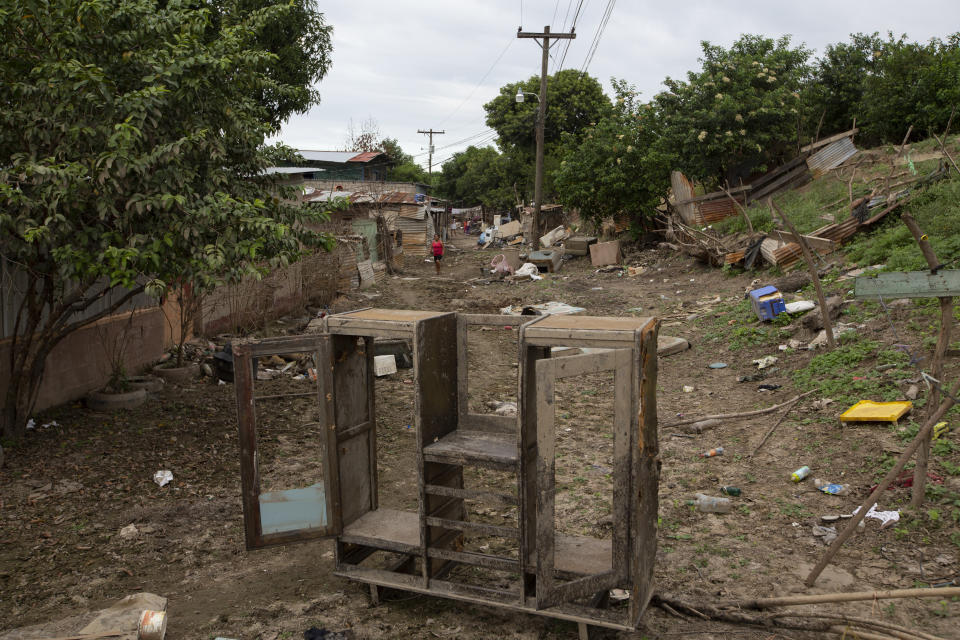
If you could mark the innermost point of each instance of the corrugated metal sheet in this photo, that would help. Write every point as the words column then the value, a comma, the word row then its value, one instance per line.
column 326, row 156
column 683, row 190
column 715, row 210
column 832, row 155
column 366, row 156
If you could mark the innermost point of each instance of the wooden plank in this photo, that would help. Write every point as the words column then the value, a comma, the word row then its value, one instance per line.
column 352, row 408
column 624, row 420
column 501, row 498
column 908, row 284
column 385, row 529
column 821, row 245
column 477, row 527
column 483, row 596
column 247, row 422
column 645, row 478
column 581, row 555
column 579, row 588
column 489, row 423
column 346, row 434
column 570, row 366
column 473, row 447
column 476, row 559
column 545, row 480
column 527, row 477
column 826, row 141
column 328, row 441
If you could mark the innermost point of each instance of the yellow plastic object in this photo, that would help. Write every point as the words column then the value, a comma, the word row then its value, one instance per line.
column 940, row 429
column 870, row 411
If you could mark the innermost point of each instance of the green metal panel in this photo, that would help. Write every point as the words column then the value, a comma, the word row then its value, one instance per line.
column 909, row 284
column 368, row 228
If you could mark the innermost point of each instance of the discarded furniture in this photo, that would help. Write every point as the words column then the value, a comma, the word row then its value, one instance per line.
column 579, row 245
column 548, row 260
column 767, row 302
column 604, row 253
column 439, row 548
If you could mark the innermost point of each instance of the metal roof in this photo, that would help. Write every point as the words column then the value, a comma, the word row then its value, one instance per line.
column 366, row 156
column 339, row 156
column 361, row 197
column 290, row 170
column 831, row 156
column 326, row 156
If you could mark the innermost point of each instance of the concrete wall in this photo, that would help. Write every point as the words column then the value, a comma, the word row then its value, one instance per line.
column 80, row 364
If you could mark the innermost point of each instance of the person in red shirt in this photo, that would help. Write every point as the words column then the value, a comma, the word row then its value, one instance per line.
column 437, row 247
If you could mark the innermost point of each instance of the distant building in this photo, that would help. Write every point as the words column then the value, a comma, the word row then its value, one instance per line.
column 367, row 166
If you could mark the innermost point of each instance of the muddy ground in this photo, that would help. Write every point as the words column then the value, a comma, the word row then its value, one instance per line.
column 68, row 489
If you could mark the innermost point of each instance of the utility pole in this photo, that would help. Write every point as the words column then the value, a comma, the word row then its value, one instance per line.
column 431, row 133
column 546, row 36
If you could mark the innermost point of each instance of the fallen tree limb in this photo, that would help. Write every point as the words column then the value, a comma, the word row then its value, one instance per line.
column 774, row 427
column 858, row 517
column 852, row 596
column 889, row 627
column 733, row 416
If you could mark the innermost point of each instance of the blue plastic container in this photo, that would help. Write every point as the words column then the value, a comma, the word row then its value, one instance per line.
column 767, row 302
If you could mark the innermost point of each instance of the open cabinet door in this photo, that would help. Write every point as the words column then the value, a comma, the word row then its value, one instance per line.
column 572, row 568
column 304, row 512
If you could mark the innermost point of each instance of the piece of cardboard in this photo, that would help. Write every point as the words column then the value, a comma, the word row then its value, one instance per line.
column 604, row 253
column 509, row 229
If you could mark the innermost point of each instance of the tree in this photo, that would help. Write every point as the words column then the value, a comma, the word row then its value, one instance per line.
column 615, row 168
column 402, row 166
column 839, row 80
column 481, row 175
column 575, row 101
column 131, row 160
column 915, row 84
column 366, row 137
column 740, row 112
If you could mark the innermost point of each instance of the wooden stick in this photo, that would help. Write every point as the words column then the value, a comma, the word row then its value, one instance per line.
column 742, row 414
column 889, row 627
column 812, row 268
column 872, row 499
column 851, row 596
column 742, row 211
column 946, row 153
column 92, row 636
column 939, row 354
column 774, row 427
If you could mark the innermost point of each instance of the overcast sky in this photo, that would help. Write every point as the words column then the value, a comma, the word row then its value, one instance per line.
column 425, row 64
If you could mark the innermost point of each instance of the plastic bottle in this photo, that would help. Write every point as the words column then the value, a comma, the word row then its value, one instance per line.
column 800, row 473
column 831, row 488
column 730, row 491
column 713, row 452
column 709, row 504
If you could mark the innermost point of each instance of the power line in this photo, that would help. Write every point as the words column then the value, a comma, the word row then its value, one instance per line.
column 573, row 27
column 456, row 142
column 599, row 34
column 477, row 86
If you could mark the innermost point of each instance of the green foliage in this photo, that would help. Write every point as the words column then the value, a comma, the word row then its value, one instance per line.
column 836, row 93
column 937, row 211
column 131, row 155
column 916, row 84
column 575, row 101
column 612, row 167
column 738, row 113
column 481, row 176
column 833, row 373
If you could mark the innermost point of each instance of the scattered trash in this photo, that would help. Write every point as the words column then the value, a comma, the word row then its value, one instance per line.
column 768, row 387
column 822, row 404
column 207, row 370
column 152, row 625
column 31, row 424
column 905, row 480
column 543, row 309
column 709, row 504
column 730, row 491
column 313, row 633
column 884, row 367
column 129, row 531
column 756, row 377
column 939, row 429
column 718, row 451
column 502, row 408
column 912, row 392
column 800, row 306
column 829, row 534
column 384, row 365
column 221, row 383
column 500, row 265
column 688, row 388
column 163, row 477
column 619, row 595
column 767, row 302
column 703, row 425
column 718, row 365
column 793, row 343
column 886, row 518
column 831, row 488
column 800, row 473
column 870, row 411
column 765, row 361
column 605, row 253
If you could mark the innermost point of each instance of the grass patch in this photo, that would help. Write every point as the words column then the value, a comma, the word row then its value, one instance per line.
column 840, row 374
